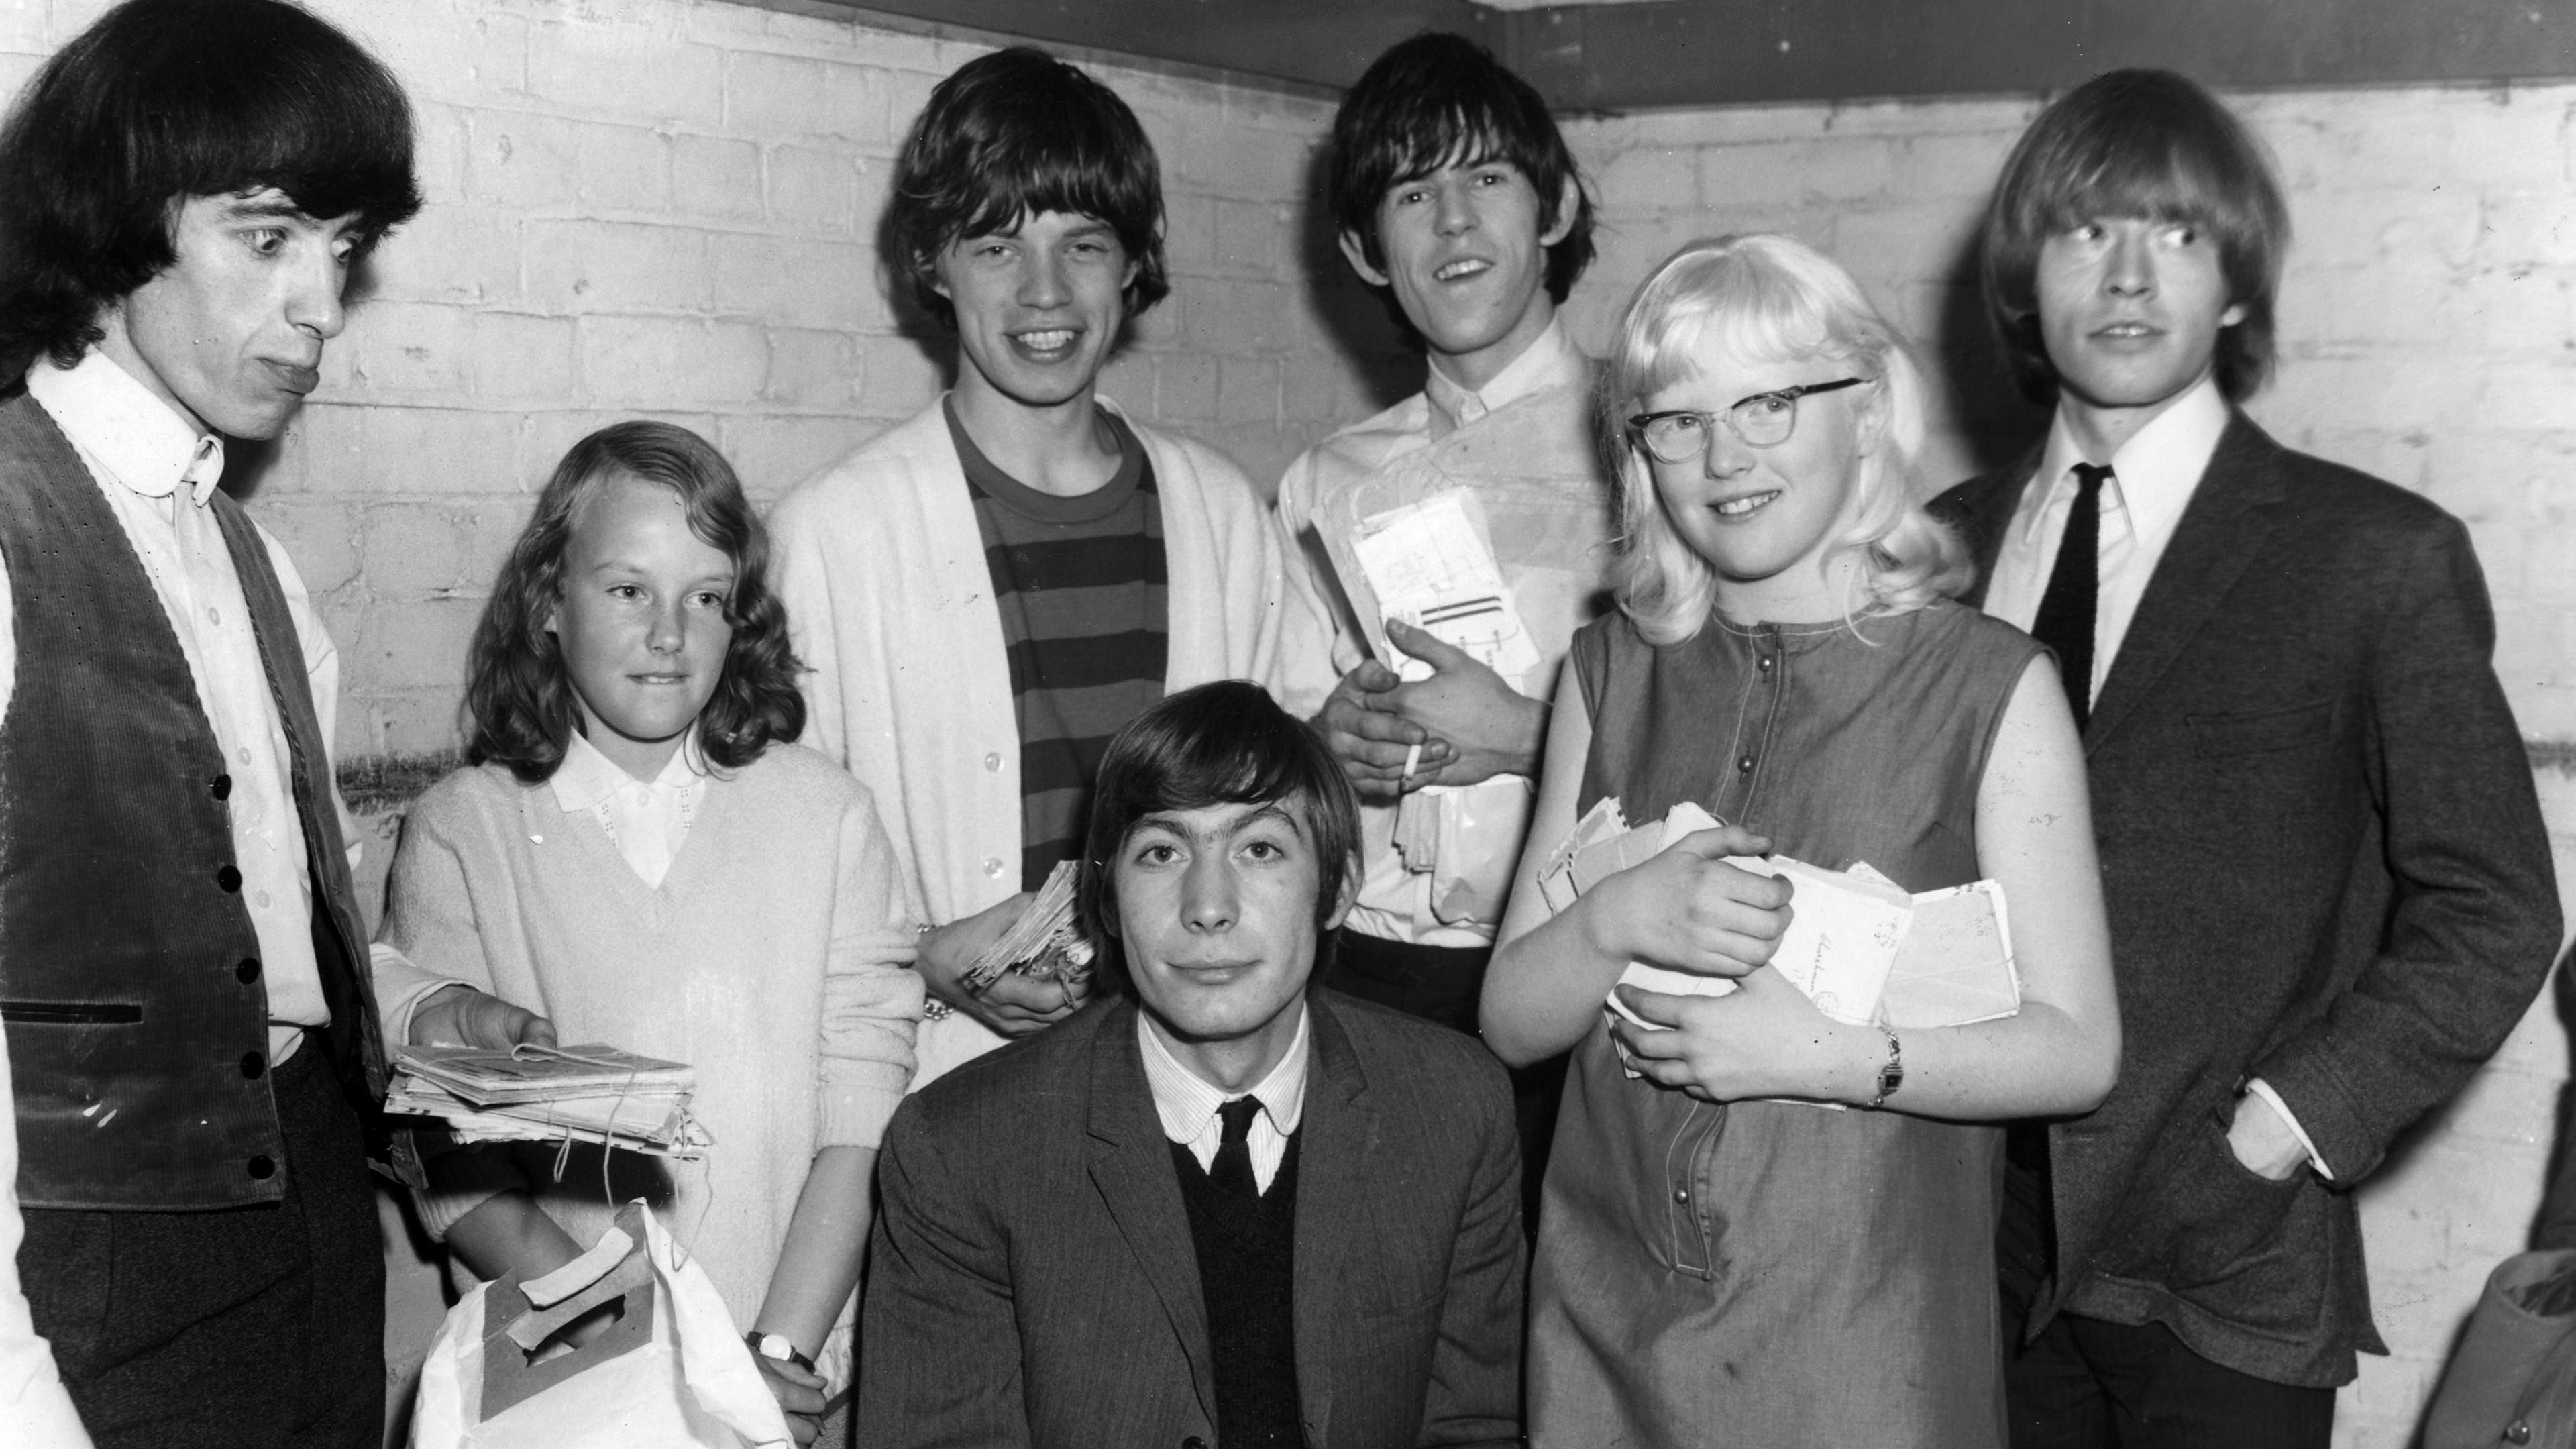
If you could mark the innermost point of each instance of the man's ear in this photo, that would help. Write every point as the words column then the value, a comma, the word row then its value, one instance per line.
column 1569, row 201
column 1355, row 252
column 1346, row 897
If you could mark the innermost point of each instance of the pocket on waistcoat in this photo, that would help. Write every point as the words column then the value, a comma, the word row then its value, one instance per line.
column 2229, row 1239
column 71, row 1013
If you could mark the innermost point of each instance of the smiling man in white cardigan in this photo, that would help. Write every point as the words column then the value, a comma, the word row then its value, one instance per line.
column 989, row 591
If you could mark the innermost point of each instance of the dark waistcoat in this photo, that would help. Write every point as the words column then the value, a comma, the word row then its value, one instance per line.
column 130, row 976
column 1247, row 1280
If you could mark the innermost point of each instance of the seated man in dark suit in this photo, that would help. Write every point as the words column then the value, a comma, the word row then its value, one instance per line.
column 1222, row 1208
column 2329, row 886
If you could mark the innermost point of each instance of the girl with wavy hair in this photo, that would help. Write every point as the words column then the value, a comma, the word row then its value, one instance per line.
column 639, row 851
column 1721, row 1258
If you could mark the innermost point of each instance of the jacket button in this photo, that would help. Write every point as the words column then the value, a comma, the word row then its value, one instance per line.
column 252, row 1065
column 248, row 971
column 263, row 1167
column 2518, row 1432
column 228, row 880
column 1744, row 766
column 221, row 787
column 1194, row 1442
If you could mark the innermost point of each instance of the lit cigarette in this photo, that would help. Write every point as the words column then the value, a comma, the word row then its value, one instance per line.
column 1412, row 761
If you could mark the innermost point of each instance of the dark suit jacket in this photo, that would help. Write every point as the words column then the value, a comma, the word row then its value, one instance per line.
column 2325, row 867
column 1032, row 1279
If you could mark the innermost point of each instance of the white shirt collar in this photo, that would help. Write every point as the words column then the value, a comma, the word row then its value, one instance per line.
column 2157, row 468
column 588, row 779
column 1187, row 1102
column 1550, row 359
column 140, row 440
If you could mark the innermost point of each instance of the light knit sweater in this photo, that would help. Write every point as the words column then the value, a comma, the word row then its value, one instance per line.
column 774, row 958
column 882, row 569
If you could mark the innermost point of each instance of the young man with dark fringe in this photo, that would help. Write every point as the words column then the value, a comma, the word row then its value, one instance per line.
column 987, row 592
column 1456, row 200
column 1232, row 1210
column 2330, row 891
column 192, row 1038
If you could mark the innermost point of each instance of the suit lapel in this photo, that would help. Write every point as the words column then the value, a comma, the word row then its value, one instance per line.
column 1131, row 1165
column 2223, row 529
column 1338, row 1139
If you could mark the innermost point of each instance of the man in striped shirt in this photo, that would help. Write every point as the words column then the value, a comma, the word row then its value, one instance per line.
column 991, row 590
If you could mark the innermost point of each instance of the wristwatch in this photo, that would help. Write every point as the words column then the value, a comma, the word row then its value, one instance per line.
column 1891, row 1073
column 775, row 1346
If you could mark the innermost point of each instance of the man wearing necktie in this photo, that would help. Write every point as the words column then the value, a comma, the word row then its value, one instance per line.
column 1221, row 1208
column 2330, row 890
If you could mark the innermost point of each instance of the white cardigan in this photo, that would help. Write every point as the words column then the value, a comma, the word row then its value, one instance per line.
column 890, row 603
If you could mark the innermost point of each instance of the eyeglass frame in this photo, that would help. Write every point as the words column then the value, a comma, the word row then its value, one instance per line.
column 1638, row 423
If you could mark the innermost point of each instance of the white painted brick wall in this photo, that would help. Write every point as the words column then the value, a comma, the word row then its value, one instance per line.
column 667, row 207
column 2427, row 335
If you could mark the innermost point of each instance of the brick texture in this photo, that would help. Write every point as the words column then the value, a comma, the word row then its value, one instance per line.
column 667, row 208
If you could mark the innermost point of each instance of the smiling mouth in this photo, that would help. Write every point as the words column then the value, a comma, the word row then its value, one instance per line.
column 1463, row 268
column 1046, row 340
column 1740, row 507
column 659, row 678
column 2128, row 332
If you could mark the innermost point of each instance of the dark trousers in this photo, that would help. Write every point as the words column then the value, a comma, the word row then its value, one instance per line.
column 243, row 1328
column 1441, row 984
column 2088, row 1384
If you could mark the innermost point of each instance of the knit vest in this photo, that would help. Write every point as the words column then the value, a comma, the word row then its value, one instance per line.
column 1247, row 1279
column 130, row 978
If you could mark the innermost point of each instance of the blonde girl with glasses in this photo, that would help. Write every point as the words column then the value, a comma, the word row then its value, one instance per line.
column 1780, row 1230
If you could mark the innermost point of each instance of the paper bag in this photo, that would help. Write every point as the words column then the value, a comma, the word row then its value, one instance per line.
column 671, row 1371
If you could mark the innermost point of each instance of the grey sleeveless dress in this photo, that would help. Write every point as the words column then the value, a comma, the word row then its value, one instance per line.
column 1766, row 1274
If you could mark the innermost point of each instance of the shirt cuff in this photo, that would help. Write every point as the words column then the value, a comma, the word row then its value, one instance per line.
column 2263, row 1089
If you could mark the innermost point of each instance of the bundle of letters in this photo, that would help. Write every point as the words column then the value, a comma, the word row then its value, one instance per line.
column 1861, row 947
column 1045, row 942
column 551, row 1094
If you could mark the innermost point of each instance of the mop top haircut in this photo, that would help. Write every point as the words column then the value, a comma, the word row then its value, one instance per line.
column 1223, row 743
column 518, row 692
column 1012, row 135
column 1437, row 99
column 2137, row 143
column 1759, row 298
column 163, row 100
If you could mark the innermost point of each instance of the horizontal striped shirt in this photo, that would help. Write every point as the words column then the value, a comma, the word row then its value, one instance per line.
column 1080, row 585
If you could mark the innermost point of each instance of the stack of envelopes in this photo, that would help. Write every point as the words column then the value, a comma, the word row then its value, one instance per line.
column 1046, row 942
column 548, row 1094
column 1860, row 946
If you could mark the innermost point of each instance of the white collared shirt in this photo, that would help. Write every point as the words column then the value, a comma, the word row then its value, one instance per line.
column 1550, row 358
column 647, row 820
column 2154, row 475
column 157, row 472
column 1187, row 1103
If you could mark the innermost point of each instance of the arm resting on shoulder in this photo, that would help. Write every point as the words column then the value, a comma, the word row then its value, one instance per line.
column 2474, row 917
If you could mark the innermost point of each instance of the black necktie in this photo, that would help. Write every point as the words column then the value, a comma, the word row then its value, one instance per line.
column 1232, row 1170
column 2065, row 621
